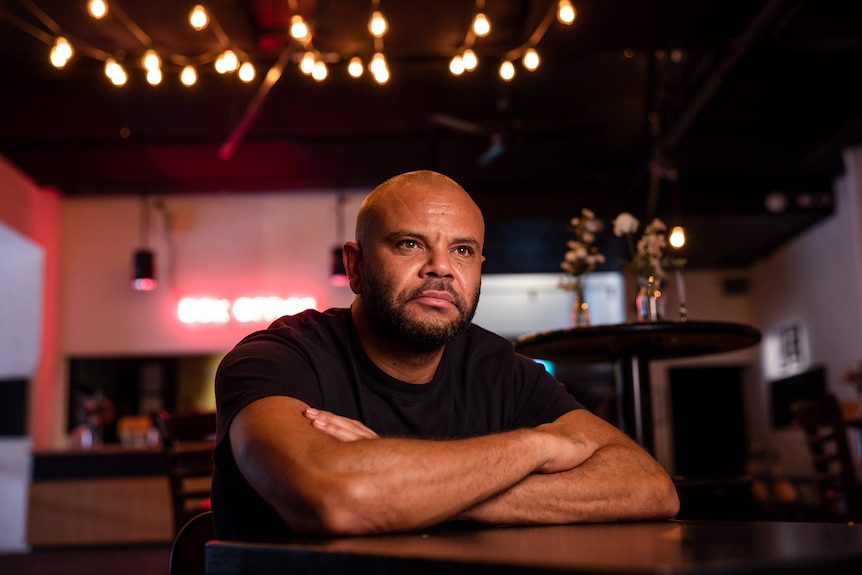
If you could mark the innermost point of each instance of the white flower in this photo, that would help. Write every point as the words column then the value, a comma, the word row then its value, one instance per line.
column 625, row 224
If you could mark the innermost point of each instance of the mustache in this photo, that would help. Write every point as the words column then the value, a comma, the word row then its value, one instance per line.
column 435, row 284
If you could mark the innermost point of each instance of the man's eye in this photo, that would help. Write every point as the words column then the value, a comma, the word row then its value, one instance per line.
column 464, row 250
column 409, row 244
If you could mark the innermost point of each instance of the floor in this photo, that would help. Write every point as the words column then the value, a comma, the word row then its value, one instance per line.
column 132, row 560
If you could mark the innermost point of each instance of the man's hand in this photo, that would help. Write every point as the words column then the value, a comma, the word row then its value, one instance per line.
column 569, row 447
column 338, row 427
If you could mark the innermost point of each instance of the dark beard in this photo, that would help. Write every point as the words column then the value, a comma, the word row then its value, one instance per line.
column 390, row 317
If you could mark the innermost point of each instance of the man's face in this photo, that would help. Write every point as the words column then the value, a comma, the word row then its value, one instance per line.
column 421, row 270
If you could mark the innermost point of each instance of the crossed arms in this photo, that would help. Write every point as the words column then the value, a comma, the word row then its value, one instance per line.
column 326, row 474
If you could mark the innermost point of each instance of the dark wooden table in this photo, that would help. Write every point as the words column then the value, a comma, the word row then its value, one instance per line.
column 625, row 548
column 632, row 346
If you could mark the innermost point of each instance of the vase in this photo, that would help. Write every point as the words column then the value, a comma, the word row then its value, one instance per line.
column 648, row 303
column 580, row 308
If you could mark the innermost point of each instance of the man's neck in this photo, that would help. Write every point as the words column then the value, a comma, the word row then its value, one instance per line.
column 393, row 358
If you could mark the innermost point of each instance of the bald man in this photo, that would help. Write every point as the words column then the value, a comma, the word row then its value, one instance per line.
column 399, row 413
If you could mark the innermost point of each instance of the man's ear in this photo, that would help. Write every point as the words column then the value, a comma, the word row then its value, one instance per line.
column 351, row 255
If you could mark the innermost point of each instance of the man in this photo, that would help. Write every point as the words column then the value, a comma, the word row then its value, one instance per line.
column 398, row 413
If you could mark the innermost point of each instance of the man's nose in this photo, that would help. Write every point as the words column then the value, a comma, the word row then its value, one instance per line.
column 439, row 263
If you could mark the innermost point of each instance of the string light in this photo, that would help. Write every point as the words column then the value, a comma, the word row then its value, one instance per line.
column 97, row 8
column 456, row 65
column 311, row 63
column 189, row 76
column 246, row 72
column 355, row 67
column 470, row 60
column 378, row 25
column 198, row 18
column 306, row 65
column 481, row 25
column 61, row 53
column 299, row 29
column 531, row 59
column 507, row 70
column 319, row 72
column 566, row 13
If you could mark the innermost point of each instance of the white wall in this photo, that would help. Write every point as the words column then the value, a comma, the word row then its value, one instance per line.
column 813, row 283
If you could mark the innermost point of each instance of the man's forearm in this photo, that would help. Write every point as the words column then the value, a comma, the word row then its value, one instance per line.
column 617, row 483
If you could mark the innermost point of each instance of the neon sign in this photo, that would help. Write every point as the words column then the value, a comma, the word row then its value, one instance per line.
column 243, row 309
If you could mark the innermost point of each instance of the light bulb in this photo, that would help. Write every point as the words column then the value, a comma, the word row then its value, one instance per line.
column 189, row 75
column 57, row 59
column 97, row 8
column 677, row 237
column 246, row 72
column 229, row 60
column 507, row 70
column 320, row 71
column 307, row 63
column 118, row 75
column 456, row 65
column 481, row 25
column 154, row 76
column 198, row 18
column 378, row 63
column 355, row 67
column 470, row 60
column 531, row 59
column 64, row 49
column 151, row 60
column 566, row 13
column 378, row 25
column 298, row 28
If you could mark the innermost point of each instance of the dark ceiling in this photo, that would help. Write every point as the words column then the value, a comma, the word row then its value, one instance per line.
column 687, row 109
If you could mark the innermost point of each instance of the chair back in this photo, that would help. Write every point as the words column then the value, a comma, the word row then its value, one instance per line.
column 188, row 441
column 188, row 550
column 835, row 475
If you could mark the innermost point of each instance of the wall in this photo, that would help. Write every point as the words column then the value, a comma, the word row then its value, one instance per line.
column 29, row 237
column 813, row 283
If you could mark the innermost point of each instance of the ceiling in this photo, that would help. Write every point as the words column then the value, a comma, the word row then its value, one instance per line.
column 728, row 115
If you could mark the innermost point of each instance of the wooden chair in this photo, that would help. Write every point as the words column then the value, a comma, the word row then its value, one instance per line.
column 834, row 472
column 188, row 549
column 188, row 441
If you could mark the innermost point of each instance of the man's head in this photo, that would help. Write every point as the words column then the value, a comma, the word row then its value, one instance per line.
column 416, row 262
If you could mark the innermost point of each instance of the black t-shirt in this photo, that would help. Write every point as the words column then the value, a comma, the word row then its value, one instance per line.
column 481, row 386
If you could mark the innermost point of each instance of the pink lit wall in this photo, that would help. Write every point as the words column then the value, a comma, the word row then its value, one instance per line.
column 213, row 246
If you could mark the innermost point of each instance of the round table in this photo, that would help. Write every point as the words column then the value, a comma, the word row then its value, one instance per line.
column 633, row 345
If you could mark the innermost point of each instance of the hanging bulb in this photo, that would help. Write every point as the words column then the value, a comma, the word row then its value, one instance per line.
column 189, row 76
column 61, row 52
column 531, row 59
column 378, row 63
column 198, row 18
column 382, row 76
column 307, row 63
column 319, row 72
column 227, row 62
column 378, row 25
column 97, row 8
column 151, row 60
column 470, row 60
column 115, row 72
column 481, row 25
column 299, row 29
column 677, row 237
column 507, row 70
column 246, row 72
column 456, row 65
column 154, row 76
column 355, row 67
column 566, row 13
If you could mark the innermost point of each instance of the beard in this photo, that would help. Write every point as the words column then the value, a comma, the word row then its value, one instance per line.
column 423, row 335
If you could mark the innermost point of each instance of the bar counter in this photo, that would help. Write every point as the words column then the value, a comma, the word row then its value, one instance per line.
column 105, row 495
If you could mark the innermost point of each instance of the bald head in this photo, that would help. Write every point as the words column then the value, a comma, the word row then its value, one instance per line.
column 411, row 190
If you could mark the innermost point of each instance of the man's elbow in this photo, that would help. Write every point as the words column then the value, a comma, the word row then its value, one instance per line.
column 665, row 499
column 336, row 510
